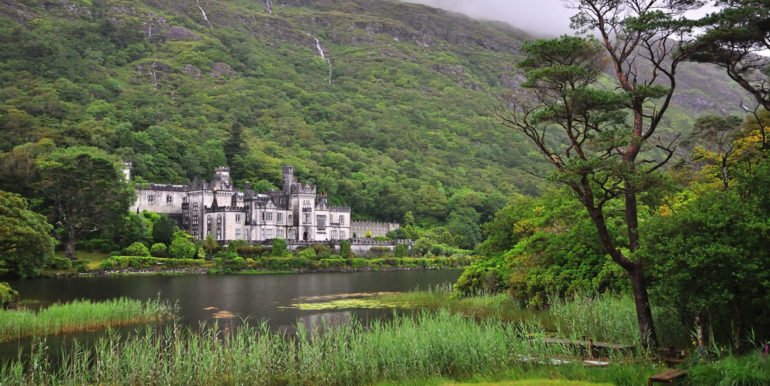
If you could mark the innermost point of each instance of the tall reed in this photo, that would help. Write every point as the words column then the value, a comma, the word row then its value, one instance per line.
column 419, row 346
column 81, row 315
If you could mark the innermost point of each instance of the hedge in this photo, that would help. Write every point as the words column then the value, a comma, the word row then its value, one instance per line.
column 139, row 262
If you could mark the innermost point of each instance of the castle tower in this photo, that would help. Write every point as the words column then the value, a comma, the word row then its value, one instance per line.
column 222, row 178
column 288, row 177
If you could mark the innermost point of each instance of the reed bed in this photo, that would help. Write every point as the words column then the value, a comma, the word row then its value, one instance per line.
column 420, row 346
column 81, row 315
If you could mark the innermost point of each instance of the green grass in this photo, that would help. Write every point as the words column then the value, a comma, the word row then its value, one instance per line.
column 94, row 257
column 418, row 347
column 79, row 316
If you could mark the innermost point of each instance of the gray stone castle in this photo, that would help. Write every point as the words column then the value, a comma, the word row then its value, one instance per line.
column 296, row 212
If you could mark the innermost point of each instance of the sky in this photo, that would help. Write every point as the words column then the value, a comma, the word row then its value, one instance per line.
column 540, row 17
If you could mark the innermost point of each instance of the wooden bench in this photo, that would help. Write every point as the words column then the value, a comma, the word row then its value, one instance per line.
column 666, row 377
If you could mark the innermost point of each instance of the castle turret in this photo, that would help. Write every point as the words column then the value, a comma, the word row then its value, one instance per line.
column 222, row 178
column 288, row 177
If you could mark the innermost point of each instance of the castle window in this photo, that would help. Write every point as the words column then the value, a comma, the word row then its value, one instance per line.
column 267, row 233
column 219, row 219
column 279, row 218
column 151, row 199
column 238, row 233
column 320, row 222
column 306, row 218
column 195, row 220
column 334, row 234
column 342, row 235
column 195, row 206
column 219, row 233
column 290, row 219
column 208, row 219
column 306, row 203
column 342, row 220
column 269, row 216
column 169, row 200
column 237, row 218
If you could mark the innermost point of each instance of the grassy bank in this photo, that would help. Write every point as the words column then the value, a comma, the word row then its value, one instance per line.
column 602, row 317
column 80, row 316
column 422, row 346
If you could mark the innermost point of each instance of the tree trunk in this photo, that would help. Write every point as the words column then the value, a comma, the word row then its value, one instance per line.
column 69, row 248
column 642, row 303
column 737, row 333
column 699, row 330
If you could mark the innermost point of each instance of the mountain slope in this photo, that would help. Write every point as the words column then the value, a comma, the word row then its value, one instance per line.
column 385, row 105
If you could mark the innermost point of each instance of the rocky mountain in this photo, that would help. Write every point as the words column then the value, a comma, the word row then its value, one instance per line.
column 385, row 105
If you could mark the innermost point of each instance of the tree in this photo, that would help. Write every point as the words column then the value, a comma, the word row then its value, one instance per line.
column 163, row 229
column 85, row 192
column 25, row 244
column 181, row 247
column 279, row 248
column 210, row 245
column 734, row 36
column 596, row 148
column 345, row 251
column 136, row 249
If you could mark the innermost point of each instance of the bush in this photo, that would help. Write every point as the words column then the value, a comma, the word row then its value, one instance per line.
column 332, row 263
column 378, row 251
column 235, row 244
column 9, row 297
column 107, row 264
column 181, row 248
column 136, row 249
column 249, row 251
column 307, row 253
column 401, row 250
column 359, row 263
column 80, row 265
column 60, row 263
column 345, row 251
column 159, row 250
column 279, row 248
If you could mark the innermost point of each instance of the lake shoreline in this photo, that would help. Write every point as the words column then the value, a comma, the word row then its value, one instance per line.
column 209, row 271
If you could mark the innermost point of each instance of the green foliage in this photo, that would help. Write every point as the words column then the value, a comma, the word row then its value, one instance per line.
column 163, row 229
column 181, row 247
column 279, row 248
column 159, row 250
column 748, row 369
column 142, row 262
column 210, row 245
column 553, row 249
column 136, row 249
column 9, row 297
column 84, row 191
column 345, row 251
column 60, row 263
column 25, row 244
column 307, row 253
column 401, row 250
column 133, row 227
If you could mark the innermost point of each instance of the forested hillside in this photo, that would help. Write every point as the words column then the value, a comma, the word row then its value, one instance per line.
column 385, row 105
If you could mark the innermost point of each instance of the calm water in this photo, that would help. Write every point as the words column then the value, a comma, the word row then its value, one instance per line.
column 255, row 297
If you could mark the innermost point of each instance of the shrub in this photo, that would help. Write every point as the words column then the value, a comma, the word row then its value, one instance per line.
column 307, row 253
column 233, row 245
column 181, row 248
column 60, row 263
column 332, row 263
column 107, row 264
column 9, row 297
column 279, row 248
column 345, row 251
column 378, row 251
column 359, row 263
column 251, row 251
column 323, row 251
column 401, row 250
column 159, row 250
column 136, row 249
column 80, row 265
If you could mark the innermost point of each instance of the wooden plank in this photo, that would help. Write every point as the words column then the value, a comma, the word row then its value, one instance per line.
column 666, row 376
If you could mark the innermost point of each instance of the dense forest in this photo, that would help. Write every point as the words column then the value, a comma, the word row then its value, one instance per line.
column 385, row 105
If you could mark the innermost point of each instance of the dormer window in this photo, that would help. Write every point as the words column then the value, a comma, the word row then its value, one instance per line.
column 169, row 200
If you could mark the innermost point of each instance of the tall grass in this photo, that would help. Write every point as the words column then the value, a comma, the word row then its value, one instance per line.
column 81, row 315
column 423, row 345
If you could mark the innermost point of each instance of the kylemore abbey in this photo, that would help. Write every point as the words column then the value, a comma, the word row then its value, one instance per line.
column 297, row 212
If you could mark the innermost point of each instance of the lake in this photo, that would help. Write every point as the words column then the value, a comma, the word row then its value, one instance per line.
column 256, row 298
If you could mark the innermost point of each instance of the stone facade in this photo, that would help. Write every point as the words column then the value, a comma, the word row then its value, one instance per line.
column 217, row 208
column 359, row 228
